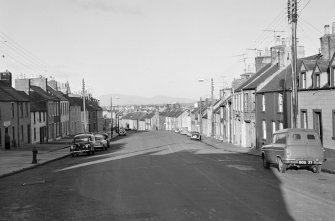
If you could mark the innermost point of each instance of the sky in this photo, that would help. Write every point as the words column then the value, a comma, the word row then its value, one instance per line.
column 148, row 47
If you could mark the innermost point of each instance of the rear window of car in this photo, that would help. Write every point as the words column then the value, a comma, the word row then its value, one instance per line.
column 311, row 137
column 296, row 136
column 280, row 138
column 99, row 137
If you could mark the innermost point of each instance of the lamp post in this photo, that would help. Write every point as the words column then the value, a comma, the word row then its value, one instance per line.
column 212, row 103
column 111, row 117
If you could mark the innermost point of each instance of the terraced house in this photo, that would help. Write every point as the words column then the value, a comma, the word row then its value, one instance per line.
column 14, row 114
column 316, row 91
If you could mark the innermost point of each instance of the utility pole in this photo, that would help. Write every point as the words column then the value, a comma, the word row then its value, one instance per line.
column 111, row 117
column 212, row 104
column 84, row 107
column 293, row 19
column 200, row 116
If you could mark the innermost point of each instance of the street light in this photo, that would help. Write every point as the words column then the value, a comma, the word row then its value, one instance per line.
column 112, row 115
column 212, row 101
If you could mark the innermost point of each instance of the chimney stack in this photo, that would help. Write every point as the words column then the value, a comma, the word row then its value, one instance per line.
column 326, row 29
column 333, row 28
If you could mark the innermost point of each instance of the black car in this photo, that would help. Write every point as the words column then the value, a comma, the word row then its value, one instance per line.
column 82, row 143
column 106, row 136
column 195, row 135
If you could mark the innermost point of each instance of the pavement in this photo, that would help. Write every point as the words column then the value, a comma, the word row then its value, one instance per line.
column 19, row 159
column 327, row 167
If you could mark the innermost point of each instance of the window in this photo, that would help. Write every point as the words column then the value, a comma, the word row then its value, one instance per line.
column 281, row 125
column 303, row 119
column 303, row 80
column 263, row 102
column 264, row 129
column 310, row 136
column 21, row 109
column 253, row 102
column 34, row 133
column 333, row 77
column 280, row 139
column 34, row 117
column 27, row 111
column 12, row 110
column 273, row 127
column 39, row 116
column 22, row 135
column 317, row 80
column 296, row 137
column 333, row 114
column 280, row 102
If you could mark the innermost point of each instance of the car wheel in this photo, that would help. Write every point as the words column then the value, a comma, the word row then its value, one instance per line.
column 266, row 164
column 281, row 166
column 88, row 153
column 316, row 168
column 72, row 154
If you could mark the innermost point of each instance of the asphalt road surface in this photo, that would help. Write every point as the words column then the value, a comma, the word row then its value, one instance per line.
column 165, row 176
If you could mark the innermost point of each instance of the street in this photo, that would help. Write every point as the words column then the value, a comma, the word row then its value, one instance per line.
column 162, row 175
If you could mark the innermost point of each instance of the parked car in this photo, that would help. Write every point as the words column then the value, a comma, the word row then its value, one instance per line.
column 122, row 132
column 183, row 130
column 195, row 135
column 299, row 148
column 100, row 142
column 189, row 133
column 177, row 130
column 107, row 138
column 82, row 143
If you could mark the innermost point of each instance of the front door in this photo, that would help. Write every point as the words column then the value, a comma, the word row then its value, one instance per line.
column 317, row 123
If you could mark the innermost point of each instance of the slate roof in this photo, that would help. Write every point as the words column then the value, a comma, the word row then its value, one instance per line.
column 281, row 81
column 262, row 77
column 253, row 77
column 10, row 94
column 44, row 95
column 38, row 103
column 150, row 115
column 58, row 94
column 134, row 116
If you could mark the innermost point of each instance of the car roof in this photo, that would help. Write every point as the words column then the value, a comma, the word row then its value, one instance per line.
column 82, row 135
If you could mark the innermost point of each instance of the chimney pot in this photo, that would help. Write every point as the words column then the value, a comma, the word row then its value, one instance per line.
column 326, row 29
column 283, row 40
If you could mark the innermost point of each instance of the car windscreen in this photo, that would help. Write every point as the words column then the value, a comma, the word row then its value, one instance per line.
column 99, row 138
column 81, row 139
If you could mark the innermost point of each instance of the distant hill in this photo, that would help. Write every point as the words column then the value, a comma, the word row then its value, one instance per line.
column 121, row 99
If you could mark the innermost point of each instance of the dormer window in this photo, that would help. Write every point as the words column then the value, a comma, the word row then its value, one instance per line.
column 263, row 102
column 317, row 80
column 303, row 80
column 333, row 76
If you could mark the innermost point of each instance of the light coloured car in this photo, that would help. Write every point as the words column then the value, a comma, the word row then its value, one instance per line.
column 298, row 148
column 100, row 142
